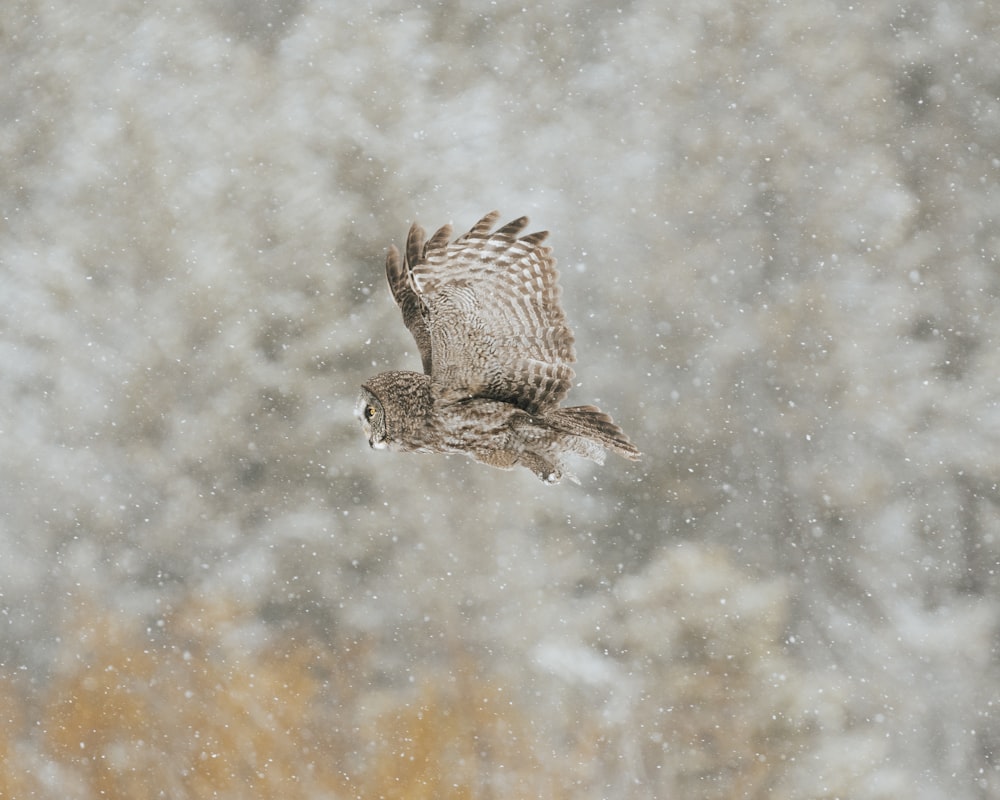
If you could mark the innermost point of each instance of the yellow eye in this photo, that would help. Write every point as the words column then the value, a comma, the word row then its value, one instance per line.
column 369, row 412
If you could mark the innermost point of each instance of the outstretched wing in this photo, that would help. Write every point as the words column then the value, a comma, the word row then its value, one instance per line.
column 489, row 305
column 400, row 283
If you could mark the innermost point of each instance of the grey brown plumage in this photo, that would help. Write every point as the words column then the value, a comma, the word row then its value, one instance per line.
column 495, row 348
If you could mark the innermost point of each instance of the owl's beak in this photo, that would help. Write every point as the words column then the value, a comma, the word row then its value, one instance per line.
column 372, row 442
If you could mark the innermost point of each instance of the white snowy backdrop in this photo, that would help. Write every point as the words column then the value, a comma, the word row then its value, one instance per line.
column 777, row 226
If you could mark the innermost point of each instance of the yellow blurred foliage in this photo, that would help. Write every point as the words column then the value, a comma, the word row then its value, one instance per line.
column 171, row 714
column 687, row 691
column 457, row 740
column 192, row 708
column 15, row 780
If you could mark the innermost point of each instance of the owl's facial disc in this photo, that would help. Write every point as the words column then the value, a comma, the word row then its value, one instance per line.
column 368, row 412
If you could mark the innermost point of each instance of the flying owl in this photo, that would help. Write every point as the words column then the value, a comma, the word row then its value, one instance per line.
column 484, row 310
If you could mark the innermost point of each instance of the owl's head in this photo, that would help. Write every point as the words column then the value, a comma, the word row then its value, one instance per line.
column 394, row 408
column 372, row 416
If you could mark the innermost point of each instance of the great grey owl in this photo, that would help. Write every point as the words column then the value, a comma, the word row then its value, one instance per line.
column 496, row 349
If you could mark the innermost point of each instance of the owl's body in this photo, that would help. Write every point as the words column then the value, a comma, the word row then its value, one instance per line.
column 484, row 311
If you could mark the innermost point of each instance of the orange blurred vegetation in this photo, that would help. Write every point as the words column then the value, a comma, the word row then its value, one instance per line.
column 189, row 709
column 210, row 702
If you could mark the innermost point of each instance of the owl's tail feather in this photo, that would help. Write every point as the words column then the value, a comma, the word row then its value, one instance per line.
column 589, row 422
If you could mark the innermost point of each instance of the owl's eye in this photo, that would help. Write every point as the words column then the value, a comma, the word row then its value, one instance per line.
column 369, row 412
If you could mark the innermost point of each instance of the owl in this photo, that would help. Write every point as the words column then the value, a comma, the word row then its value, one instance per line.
column 484, row 310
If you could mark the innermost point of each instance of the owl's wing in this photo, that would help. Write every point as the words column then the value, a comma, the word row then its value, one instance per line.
column 400, row 278
column 490, row 307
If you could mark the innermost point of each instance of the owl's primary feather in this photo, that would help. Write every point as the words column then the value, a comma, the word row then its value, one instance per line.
column 495, row 347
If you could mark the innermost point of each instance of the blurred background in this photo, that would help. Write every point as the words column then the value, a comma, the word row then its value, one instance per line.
column 777, row 229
